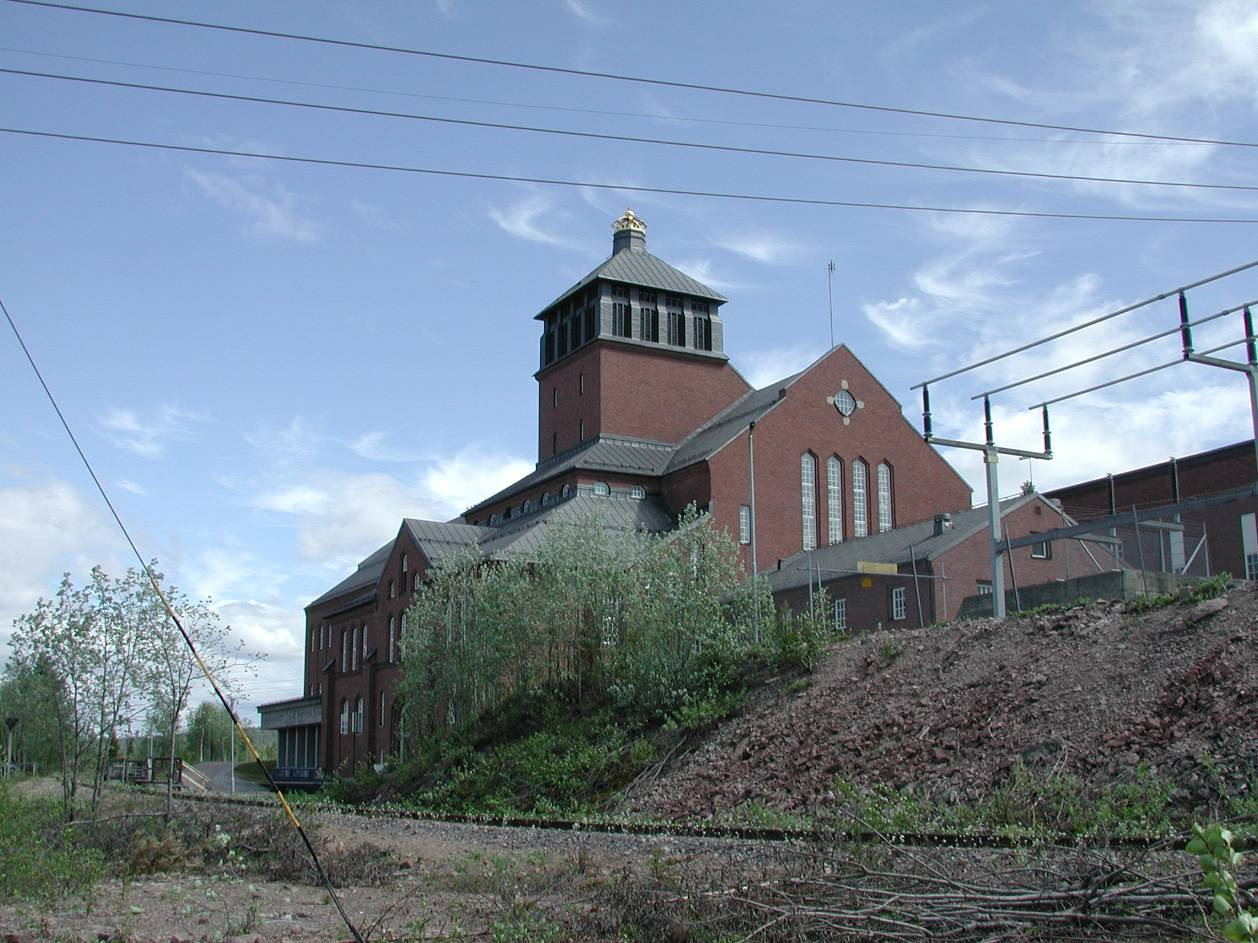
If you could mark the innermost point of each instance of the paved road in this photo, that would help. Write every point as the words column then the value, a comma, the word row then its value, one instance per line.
column 221, row 779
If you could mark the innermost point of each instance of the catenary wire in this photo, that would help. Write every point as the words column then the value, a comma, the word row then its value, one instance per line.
column 620, row 77
column 1136, row 375
column 653, row 116
column 161, row 595
column 1115, row 350
column 1086, row 324
column 620, row 138
column 631, row 188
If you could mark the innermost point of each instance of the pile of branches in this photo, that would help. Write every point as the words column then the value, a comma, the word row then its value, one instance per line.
column 889, row 893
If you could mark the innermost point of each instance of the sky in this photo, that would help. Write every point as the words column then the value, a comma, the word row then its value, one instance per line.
column 271, row 363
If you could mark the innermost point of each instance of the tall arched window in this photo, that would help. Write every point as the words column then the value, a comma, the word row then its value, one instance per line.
column 884, row 497
column 392, row 637
column 353, row 650
column 860, row 499
column 358, row 715
column 834, row 497
column 344, row 716
column 345, row 649
column 364, row 642
column 808, row 494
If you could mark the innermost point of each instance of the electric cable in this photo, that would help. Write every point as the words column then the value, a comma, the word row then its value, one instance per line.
column 1086, row 324
column 1136, row 375
column 633, row 188
column 1116, row 350
column 161, row 595
column 621, row 138
column 603, row 112
column 617, row 77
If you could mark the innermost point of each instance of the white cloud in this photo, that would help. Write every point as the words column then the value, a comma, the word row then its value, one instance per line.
column 762, row 367
column 768, row 248
column 703, row 270
column 584, row 10
column 131, row 486
column 270, row 209
column 299, row 499
column 449, row 9
column 531, row 218
column 471, row 476
column 373, row 447
column 148, row 436
column 45, row 529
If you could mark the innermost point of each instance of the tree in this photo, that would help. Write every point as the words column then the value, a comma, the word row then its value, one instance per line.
column 25, row 693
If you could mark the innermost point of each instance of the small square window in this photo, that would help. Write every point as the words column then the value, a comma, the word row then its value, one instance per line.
column 1042, row 551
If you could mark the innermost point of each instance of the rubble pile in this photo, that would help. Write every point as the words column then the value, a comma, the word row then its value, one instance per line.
column 1097, row 691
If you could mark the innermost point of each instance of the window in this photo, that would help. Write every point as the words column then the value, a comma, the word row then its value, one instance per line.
column 589, row 324
column 344, row 650
column 884, row 497
column 1042, row 550
column 834, row 498
column 392, row 590
column 984, row 587
column 744, row 524
column 353, row 651
column 495, row 519
column 547, row 499
column 554, row 397
column 860, row 499
column 415, row 580
column 703, row 333
column 677, row 329
column 580, row 384
column 381, row 721
column 1251, row 566
column 563, row 338
column 405, row 570
column 566, row 492
column 313, row 639
column 581, row 430
column 648, row 317
column 601, row 488
column 898, row 608
column 530, row 506
column 637, row 491
column 364, row 642
column 574, row 331
column 622, row 316
column 344, row 716
column 358, row 716
column 392, row 637
column 808, row 493
column 840, row 614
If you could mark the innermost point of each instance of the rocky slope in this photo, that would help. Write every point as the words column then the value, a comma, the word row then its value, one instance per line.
column 1096, row 691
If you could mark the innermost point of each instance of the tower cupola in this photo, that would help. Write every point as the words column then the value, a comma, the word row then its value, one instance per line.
column 628, row 232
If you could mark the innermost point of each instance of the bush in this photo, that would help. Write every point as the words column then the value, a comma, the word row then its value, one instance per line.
column 40, row 860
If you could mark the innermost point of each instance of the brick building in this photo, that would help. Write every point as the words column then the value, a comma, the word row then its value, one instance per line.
column 640, row 414
column 1229, row 529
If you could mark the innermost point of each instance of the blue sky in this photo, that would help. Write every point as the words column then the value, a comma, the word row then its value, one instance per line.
column 271, row 363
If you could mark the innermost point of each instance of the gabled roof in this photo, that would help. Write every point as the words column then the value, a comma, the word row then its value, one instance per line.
column 619, row 513
column 714, row 434
column 901, row 545
column 366, row 576
column 639, row 267
column 436, row 539
column 610, row 453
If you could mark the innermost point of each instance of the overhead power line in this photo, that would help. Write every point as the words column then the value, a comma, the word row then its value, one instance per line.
column 632, row 188
column 621, row 138
column 570, row 109
column 623, row 77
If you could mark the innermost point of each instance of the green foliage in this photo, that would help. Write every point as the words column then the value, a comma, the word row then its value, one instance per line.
column 1214, row 847
column 40, row 860
column 799, row 639
column 1189, row 595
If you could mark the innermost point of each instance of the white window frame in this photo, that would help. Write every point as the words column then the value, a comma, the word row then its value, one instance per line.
column 392, row 638
column 744, row 524
column 344, row 716
column 899, row 603
column 808, row 499
column 602, row 488
column 860, row 499
column 840, row 614
column 884, row 497
column 834, row 498
column 1042, row 551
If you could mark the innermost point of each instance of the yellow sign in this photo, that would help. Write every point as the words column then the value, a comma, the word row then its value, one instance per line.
column 866, row 582
column 882, row 569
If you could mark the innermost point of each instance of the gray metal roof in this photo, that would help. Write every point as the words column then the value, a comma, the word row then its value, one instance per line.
column 729, row 422
column 639, row 267
column 367, row 574
column 437, row 539
column 618, row 513
column 902, row 545
column 606, row 453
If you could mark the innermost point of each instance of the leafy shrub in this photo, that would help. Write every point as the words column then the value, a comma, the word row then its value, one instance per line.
column 40, row 860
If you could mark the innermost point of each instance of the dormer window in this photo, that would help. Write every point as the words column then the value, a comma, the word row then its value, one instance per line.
column 637, row 491
column 602, row 488
column 566, row 492
column 547, row 499
column 495, row 519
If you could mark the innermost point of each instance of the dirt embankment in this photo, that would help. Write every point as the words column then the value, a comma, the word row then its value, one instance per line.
column 1096, row 692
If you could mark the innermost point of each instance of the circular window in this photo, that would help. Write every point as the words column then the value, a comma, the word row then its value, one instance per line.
column 845, row 403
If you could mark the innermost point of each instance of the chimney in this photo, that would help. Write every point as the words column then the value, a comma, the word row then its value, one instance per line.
column 943, row 522
column 629, row 232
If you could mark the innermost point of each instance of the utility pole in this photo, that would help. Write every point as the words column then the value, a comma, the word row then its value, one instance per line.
column 830, row 292
column 233, row 739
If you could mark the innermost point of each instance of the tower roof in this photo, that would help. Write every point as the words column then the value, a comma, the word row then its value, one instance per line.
column 631, row 264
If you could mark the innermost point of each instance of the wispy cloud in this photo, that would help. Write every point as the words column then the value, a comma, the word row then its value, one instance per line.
column 768, row 248
column 763, row 367
column 703, row 270
column 531, row 218
column 270, row 210
column 448, row 8
column 148, row 436
column 584, row 11
column 374, row 447
column 128, row 485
